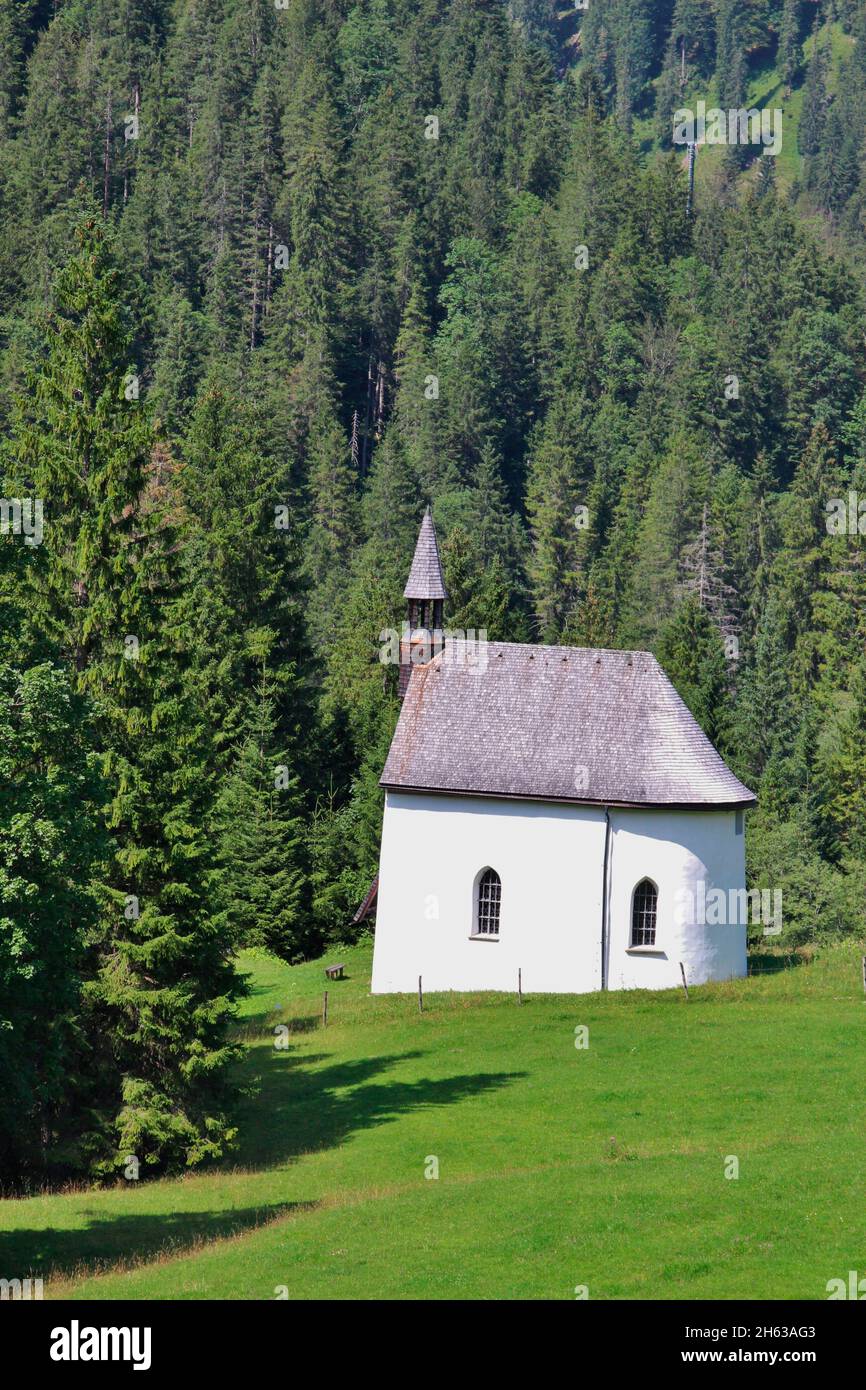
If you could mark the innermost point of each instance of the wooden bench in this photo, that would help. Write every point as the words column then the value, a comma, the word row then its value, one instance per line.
column 334, row 972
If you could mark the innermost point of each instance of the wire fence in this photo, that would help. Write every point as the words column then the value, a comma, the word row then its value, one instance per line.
column 763, row 964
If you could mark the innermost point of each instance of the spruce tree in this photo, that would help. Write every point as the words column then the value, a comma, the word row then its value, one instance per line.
column 261, row 883
column 814, row 113
column 789, row 57
column 334, row 523
column 161, row 986
column 557, row 504
column 242, row 586
column 841, row 780
column 52, row 843
column 690, row 650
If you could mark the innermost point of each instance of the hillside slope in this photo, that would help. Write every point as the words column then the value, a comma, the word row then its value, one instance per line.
column 558, row 1167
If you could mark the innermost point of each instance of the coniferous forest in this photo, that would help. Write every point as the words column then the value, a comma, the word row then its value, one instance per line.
column 274, row 276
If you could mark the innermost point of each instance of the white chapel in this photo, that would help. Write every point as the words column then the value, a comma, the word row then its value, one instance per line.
column 552, row 811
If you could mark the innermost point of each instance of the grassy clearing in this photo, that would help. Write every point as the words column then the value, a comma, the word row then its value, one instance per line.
column 557, row 1167
column 766, row 90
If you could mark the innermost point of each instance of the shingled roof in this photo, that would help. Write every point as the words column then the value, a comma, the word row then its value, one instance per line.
column 555, row 724
column 425, row 577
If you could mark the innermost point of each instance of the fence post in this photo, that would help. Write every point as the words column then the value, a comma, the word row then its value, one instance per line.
column 325, row 1010
column 420, row 997
column 683, row 973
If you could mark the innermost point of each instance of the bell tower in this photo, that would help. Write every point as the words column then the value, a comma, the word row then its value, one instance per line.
column 425, row 595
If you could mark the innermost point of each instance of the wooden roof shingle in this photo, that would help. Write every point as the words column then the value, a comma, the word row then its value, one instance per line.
column 555, row 724
column 425, row 577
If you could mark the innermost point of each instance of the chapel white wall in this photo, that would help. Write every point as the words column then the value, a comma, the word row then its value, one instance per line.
column 549, row 858
column 678, row 850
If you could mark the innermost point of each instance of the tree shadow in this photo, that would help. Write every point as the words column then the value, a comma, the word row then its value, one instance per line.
column 772, row 962
column 301, row 1025
column 107, row 1242
column 301, row 1107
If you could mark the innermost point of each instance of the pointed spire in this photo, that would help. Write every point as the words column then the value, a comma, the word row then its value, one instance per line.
column 425, row 577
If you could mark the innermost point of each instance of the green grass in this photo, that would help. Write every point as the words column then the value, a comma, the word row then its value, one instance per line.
column 557, row 1167
column 766, row 89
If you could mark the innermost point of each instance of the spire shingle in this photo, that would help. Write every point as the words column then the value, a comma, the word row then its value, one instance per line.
column 425, row 577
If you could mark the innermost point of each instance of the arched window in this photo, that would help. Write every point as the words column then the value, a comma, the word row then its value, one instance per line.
column 488, row 895
column 643, row 914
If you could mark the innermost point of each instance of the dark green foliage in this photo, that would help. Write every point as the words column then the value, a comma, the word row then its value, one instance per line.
column 693, row 29
column 261, row 880
column 814, row 114
column 620, row 42
column 691, row 651
column 51, row 845
column 241, row 595
column 161, row 989
column 790, row 57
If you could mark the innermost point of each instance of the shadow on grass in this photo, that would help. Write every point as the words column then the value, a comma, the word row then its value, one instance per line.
column 300, row 1107
column 303, row 1108
column 104, row 1243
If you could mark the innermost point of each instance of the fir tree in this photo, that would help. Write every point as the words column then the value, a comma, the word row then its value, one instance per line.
column 52, row 843
column 558, row 511
column 691, row 652
column 161, row 989
column 814, row 113
column 789, row 56
column 262, row 880
column 242, row 585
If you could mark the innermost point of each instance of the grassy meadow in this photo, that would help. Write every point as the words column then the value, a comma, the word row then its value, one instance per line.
column 558, row 1166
